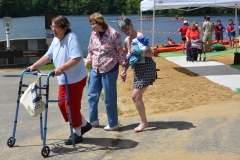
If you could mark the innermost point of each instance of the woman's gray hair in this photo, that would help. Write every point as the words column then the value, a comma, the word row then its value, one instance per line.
column 123, row 23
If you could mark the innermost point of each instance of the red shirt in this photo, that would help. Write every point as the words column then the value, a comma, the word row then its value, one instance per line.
column 183, row 29
column 193, row 34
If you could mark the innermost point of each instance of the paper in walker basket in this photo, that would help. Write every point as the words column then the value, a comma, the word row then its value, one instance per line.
column 32, row 101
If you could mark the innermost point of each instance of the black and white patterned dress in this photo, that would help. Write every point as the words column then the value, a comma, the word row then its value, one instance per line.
column 144, row 74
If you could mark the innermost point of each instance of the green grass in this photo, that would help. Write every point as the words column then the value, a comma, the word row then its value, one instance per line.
column 89, row 67
column 208, row 54
column 102, row 96
column 48, row 66
column 124, row 101
column 114, row 144
column 120, row 112
column 130, row 111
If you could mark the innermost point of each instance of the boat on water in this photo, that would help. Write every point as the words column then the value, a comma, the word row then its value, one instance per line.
column 178, row 19
column 146, row 19
column 113, row 21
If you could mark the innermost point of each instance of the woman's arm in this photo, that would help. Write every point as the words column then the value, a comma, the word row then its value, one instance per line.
column 125, row 65
column 188, row 35
column 119, row 49
column 90, row 53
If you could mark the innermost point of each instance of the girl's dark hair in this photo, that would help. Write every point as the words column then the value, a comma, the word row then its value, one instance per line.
column 62, row 22
column 99, row 19
column 123, row 23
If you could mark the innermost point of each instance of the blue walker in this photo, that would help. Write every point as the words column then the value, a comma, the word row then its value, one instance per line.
column 45, row 150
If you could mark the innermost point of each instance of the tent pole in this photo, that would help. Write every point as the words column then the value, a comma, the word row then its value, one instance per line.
column 236, row 23
column 153, row 29
column 141, row 21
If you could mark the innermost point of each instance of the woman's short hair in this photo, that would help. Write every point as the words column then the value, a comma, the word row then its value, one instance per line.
column 208, row 18
column 62, row 22
column 123, row 23
column 99, row 19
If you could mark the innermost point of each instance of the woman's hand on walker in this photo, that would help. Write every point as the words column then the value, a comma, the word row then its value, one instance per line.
column 31, row 68
column 58, row 71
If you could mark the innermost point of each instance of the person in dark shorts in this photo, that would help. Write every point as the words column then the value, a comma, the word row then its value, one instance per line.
column 219, row 29
column 231, row 32
column 183, row 29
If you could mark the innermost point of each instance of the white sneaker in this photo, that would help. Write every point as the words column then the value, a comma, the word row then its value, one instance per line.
column 95, row 123
column 114, row 128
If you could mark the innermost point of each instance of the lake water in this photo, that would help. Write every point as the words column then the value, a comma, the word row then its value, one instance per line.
column 32, row 27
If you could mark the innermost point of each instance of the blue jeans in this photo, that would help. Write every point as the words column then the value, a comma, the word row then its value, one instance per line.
column 188, row 52
column 107, row 81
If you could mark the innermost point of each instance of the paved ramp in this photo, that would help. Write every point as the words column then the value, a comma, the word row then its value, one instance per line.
column 214, row 71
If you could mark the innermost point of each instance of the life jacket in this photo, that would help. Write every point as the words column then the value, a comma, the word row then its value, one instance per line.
column 171, row 42
column 218, row 30
column 230, row 28
column 184, row 30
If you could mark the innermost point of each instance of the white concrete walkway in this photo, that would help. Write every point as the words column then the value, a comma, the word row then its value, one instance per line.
column 214, row 71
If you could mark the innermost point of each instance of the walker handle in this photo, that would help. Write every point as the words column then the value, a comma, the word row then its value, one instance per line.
column 28, row 70
column 52, row 73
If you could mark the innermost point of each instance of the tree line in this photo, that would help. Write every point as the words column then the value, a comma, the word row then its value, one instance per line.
column 23, row 8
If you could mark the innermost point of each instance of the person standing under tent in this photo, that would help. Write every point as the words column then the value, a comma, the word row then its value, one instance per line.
column 231, row 32
column 183, row 29
column 219, row 29
column 193, row 33
column 204, row 20
column 208, row 29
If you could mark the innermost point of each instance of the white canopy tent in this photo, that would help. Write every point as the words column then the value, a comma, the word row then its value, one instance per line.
column 180, row 4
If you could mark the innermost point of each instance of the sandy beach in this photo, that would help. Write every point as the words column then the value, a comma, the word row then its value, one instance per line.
column 176, row 89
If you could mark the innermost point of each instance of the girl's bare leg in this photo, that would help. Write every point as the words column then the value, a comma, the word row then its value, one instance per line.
column 137, row 99
column 232, row 42
column 183, row 47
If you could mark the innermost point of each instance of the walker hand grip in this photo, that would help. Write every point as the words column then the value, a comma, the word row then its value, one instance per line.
column 52, row 73
column 28, row 70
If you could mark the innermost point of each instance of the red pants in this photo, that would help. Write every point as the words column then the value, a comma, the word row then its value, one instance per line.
column 75, row 91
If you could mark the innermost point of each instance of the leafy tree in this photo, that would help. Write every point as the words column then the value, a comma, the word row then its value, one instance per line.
column 133, row 6
column 21, row 8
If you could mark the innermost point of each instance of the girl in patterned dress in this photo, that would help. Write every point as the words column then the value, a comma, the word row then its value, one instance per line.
column 144, row 73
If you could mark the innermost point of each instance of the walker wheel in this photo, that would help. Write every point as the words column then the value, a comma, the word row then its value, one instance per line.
column 45, row 151
column 10, row 142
